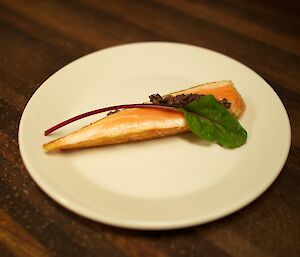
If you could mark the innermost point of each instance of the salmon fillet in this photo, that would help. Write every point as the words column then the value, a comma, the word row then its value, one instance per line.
column 138, row 124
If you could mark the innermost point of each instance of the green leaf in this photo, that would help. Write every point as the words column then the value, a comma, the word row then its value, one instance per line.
column 209, row 120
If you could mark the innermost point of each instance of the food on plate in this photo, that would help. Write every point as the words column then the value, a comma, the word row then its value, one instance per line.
column 208, row 110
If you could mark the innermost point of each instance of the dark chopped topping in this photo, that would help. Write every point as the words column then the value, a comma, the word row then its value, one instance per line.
column 112, row 112
column 177, row 101
column 225, row 103
column 181, row 100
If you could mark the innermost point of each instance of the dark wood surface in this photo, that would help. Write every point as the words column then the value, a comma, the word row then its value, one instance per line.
column 37, row 38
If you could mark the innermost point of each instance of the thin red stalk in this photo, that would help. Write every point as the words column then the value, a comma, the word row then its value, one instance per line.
column 111, row 108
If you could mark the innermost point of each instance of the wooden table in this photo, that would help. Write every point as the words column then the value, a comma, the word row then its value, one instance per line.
column 37, row 38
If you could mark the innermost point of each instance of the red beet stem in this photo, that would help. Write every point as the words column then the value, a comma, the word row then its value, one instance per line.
column 111, row 108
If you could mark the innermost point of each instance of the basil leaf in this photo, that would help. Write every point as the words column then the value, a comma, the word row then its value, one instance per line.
column 209, row 120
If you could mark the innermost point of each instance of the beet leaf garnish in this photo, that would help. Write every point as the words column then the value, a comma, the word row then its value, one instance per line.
column 209, row 120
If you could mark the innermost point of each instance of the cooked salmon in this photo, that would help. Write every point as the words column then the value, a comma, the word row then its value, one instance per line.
column 138, row 124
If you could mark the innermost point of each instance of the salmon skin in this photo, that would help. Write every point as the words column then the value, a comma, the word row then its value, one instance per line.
column 138, row 124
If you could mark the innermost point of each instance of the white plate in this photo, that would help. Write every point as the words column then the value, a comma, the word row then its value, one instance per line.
column 166, row 183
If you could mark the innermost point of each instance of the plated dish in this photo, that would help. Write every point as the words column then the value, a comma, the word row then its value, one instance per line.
column 164, row 183
column 210, row 111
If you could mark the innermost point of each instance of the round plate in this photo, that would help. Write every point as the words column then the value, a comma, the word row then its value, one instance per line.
column 164, row 183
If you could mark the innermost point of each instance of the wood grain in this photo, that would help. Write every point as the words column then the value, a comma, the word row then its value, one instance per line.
column 39, row 37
